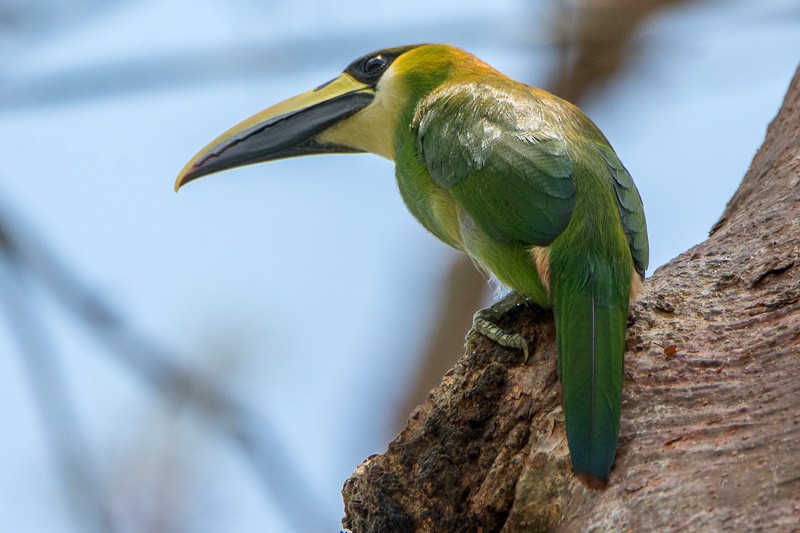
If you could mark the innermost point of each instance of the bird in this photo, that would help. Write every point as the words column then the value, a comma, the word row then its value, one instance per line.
column 517, row 178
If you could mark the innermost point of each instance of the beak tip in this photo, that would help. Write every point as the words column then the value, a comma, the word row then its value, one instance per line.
column 187, row 174
column 180, row 182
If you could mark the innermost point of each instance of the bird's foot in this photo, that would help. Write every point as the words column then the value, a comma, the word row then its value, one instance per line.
column 485, row 323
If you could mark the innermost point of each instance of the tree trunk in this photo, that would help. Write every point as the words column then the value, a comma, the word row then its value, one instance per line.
column 710, row 435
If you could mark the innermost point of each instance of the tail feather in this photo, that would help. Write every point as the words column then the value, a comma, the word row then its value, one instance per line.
column 590, row 305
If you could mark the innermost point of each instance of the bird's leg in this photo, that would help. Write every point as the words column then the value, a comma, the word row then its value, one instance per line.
column 485, row 323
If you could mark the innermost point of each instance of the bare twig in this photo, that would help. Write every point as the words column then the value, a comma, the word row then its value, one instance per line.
column 82, row 488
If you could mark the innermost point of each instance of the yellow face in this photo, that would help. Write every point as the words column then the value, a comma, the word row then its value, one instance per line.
column 373, row 128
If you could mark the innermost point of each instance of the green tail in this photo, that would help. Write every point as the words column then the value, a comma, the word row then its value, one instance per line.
column 590, row 303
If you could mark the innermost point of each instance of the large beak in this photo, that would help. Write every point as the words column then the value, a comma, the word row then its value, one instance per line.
column 284, row 130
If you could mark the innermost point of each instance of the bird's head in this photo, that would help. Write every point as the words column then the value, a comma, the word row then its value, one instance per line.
column 358, row 111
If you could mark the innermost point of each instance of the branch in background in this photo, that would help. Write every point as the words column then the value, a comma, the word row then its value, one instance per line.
column 85, row 495
column 223, row 64
column 463, row 294
column 251, row 432
column 595, row 42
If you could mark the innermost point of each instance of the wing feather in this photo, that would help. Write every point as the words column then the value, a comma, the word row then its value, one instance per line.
column 631, row 210
column 513, row 179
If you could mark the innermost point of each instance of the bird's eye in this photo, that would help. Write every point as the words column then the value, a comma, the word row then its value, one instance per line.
column 374, row 65
column 370, row 68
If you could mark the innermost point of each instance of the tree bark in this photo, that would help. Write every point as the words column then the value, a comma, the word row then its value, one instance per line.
column 710, row 435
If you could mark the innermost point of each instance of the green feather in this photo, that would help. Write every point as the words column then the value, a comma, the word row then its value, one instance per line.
column 591, row 270
column 590, row 314
column 631, row 211
column 491, row 148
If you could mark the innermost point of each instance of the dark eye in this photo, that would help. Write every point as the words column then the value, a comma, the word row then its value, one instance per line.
column 374, row 65
column 369, row 68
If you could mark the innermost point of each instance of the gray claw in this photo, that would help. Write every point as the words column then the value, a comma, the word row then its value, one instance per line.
column 485, row 323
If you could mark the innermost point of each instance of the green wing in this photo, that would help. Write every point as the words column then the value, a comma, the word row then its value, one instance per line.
column 631, row 210
column 511, row 177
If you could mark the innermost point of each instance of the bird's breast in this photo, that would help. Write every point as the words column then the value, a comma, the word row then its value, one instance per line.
column 430, row 204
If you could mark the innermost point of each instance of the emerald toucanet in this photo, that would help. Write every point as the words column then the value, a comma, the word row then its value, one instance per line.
column 517, row 178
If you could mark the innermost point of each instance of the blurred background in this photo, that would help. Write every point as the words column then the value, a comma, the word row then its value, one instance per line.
column 224, row 358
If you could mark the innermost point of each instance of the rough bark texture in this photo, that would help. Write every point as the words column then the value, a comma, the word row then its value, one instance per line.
column 710, row 436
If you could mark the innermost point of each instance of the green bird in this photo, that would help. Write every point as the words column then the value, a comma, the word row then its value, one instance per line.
column 517, row 178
